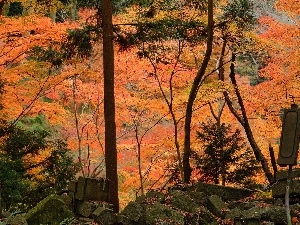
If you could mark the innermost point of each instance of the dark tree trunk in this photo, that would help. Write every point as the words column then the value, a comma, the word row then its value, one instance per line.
column 109, row 104
column 243, row 119
column 2, row 3
column 192, row 96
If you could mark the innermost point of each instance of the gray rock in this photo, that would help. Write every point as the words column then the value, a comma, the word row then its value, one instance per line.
column 51, row 210
column 279, row 188
column 121, row 219
column 255, row 212
column 217, row 206
column 227, row 193
column 282, row 174
column 182, row 201
column 85, row 208
column 92, row 189
column 104, row 216
column 134, row 211
column 206, row 217
column 17, row 219
column 151, row 197
column 233, row 213
column 275, row 214
column 158, row 213
column 199, row 197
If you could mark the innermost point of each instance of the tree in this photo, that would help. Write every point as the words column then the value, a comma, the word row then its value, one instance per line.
column 243, row 119
column 109, row 104
column 33, row 162
column 225, row 155
column 193, row 93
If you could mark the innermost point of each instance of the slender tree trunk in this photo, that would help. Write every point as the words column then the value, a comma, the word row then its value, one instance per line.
column 52, row 13
column 139, row 158
column 245, row 123
column 273, row 162
column 192, row 96
column 287, row 195
column 73, row 10
column 1, row 8
column 109, row 104
column 79, row 136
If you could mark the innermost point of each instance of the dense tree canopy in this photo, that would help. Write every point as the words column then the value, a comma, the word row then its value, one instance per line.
column 176, row 64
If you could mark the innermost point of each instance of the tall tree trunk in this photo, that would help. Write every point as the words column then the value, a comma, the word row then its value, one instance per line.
column 2, row 3
column 243, row 119
column 109, row 104
column 192, row 96
column 73, row 10
column 52, row 12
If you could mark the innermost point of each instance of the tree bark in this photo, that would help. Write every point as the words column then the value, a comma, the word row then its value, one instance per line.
column 109, row 104
column 192, row 96
column 2, row 3
column 73, row 10
column 243, row 119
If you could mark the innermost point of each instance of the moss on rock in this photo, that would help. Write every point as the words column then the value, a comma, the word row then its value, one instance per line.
column 51, row 211
column 157, row 213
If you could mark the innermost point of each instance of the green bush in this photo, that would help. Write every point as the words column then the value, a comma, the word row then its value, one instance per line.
column 33, row 165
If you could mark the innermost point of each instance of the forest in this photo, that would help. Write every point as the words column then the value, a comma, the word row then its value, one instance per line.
column 148, row 93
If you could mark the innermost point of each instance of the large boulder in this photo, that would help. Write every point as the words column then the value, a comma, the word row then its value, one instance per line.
column 51, row 211
column 163, row 214
column 17, row 219
column 217, row 206
column 275, row 214
column 200, row 198
column 85, row 208
column 226, row 192
column 104, row 216
column 93, row 189
column 134, row 212
column 151, row 197
column 182, row 201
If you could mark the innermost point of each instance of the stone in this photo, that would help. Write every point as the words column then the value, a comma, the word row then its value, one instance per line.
column 157, row 213
column 255, row 212
column 233, row 213
column 282, row 174
column 85, row 221
column 72, row 187
column 92, row 189
column 51, row 211
column 97, row 189
column 206, row 217
column 80, row 190
column 17, row 219
column 85, row 208
column 226, row 192
column 104, row 216
column 199, row 197
column 134, row 211
column 156, row 195
column 191, row 219
column 279, row 189
column 151, row 197
column 121, row 219
column 68, row 201
column 275, row 214
column 253, row 221
column 182, row 201
column 217, row 206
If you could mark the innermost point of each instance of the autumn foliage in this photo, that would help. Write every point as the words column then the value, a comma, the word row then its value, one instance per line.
column 151, row 88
